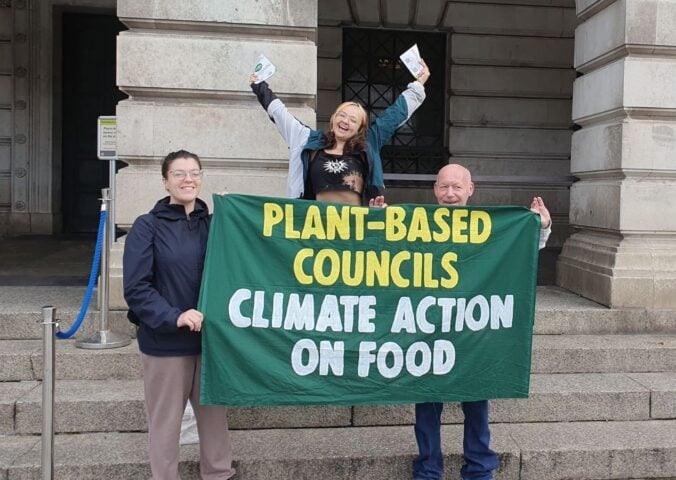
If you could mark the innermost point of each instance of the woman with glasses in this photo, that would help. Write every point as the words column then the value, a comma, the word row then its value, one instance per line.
column 342, row 165
column 163, row 261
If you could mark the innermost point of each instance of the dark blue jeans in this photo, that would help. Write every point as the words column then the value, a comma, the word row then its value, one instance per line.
column 480, row 460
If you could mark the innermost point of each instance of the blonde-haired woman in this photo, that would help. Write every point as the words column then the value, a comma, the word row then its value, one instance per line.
column 342, row 165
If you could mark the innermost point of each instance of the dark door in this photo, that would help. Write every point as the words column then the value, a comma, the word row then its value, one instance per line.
column 374, row 76
column 89, row 90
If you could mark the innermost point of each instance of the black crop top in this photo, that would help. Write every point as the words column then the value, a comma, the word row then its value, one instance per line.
column 330, row 173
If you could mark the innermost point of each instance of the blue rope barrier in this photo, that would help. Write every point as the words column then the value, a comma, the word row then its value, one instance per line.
column 92, row 280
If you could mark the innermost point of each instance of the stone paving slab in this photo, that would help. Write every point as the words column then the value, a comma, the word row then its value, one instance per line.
column 553, row 398
column 13, row 447
column 15, row 359
column 574, row 450
column 21, row 311
column 287, row 417
column 44, row 259
column 662, row 388
column 557, row 311
column 88, row 456
column 118, row 405
column 86, row 406
column 31, row 299
column 551, row 354
column 604, row 353
column 576, row 397
column 10, row 393
column 304, row 454
column 597, row 450
column 74, row 363
column 376, row 453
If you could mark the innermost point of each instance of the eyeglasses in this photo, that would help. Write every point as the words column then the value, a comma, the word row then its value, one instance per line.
column 181, row 174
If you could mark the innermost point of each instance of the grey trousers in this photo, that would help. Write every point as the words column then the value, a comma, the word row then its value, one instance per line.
column 168, row 384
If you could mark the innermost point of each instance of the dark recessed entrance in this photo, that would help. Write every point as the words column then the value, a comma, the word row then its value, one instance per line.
column 89, row 90
column 374, row 76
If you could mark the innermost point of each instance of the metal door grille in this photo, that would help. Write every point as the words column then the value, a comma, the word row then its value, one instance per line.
column 374, row 76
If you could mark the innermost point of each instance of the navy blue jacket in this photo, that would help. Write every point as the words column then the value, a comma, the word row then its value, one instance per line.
column 163, row 262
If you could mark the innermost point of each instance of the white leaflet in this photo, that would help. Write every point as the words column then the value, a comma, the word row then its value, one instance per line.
column 264, row 69
column 411, row 58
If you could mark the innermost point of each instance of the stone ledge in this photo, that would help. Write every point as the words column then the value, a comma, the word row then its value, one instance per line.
column 297, row 13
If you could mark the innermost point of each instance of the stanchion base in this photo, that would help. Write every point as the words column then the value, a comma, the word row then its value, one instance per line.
column 104, row 339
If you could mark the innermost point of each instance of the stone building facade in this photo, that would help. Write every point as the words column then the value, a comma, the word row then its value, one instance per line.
column 571, row 101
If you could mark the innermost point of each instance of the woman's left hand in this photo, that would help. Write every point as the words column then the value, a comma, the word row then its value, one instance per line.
column 192, row 319
column 378, row 202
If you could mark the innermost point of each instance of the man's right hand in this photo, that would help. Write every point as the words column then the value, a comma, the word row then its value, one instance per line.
column 538, row 206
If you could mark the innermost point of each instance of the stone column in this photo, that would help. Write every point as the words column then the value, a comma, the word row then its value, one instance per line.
column 185, row 65
column 624, row 251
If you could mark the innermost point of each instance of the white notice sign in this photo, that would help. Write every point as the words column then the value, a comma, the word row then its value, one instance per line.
column 107, row 138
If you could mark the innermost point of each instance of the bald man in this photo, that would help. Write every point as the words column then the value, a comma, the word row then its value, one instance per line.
column 454, row 187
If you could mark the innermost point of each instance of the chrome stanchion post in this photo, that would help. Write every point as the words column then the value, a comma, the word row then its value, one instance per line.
column 49, row 325
column 112, row 164
column 104, row 338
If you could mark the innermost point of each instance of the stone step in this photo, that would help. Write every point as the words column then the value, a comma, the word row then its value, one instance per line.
column 22, row 359
column 603, row 353
column 557, row 312
column 21, row 312
column 117, row 405
column 528, row 451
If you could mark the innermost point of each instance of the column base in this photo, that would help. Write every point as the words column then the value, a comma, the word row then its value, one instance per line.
column 620, row 270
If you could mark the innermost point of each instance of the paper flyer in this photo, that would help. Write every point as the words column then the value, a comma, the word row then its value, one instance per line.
column 411, row 58
column 264, row 69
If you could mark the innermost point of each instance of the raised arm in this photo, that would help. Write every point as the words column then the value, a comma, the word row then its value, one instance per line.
column 292, row 130
column 294, row 133
column 399, row 112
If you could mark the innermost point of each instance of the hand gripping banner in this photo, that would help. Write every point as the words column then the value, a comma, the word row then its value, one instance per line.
column 310, row 303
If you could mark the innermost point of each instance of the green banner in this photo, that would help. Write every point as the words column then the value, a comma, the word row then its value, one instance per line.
column 320, row 303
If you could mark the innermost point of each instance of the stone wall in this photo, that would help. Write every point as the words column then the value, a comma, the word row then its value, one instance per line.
column 185, row 65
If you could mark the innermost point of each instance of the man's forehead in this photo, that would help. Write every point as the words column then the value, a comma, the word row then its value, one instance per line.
column 454, row 174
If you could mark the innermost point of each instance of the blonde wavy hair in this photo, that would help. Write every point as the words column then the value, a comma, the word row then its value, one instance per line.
column 356, row 143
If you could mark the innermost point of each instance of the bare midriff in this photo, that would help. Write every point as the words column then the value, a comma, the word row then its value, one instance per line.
column 340, row 196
